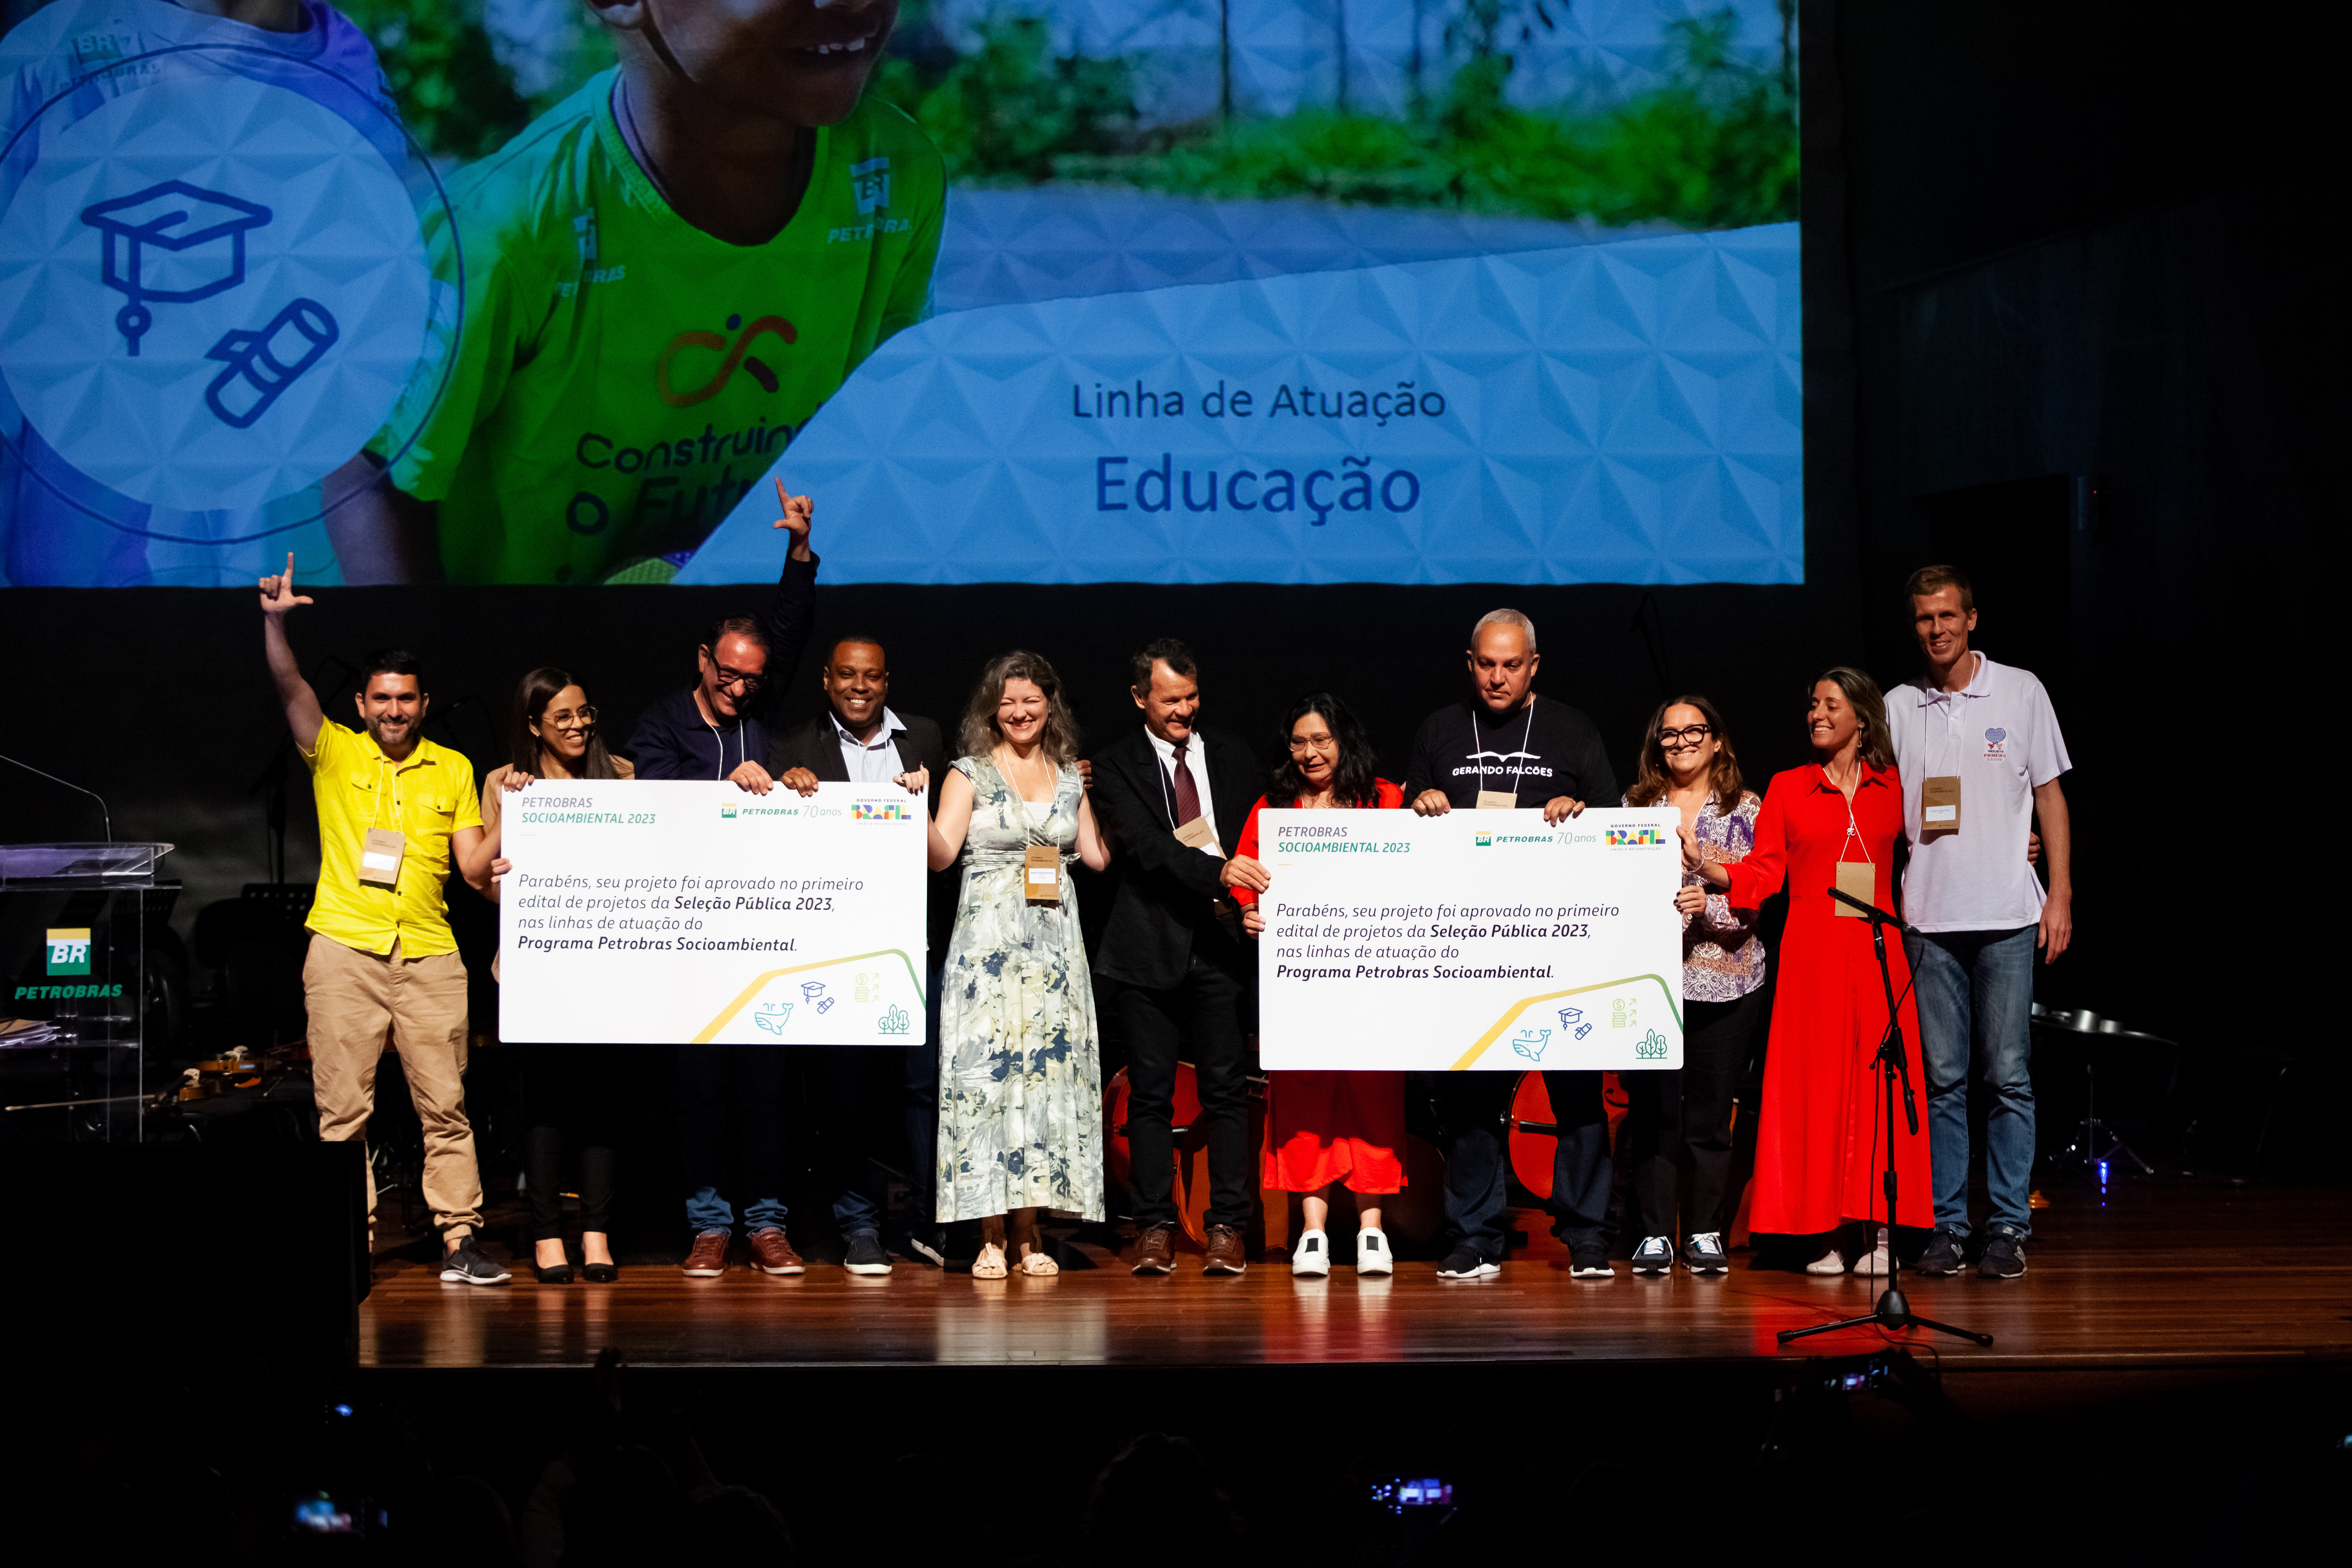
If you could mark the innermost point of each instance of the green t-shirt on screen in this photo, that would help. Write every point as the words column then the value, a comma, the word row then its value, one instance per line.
column 623, row 378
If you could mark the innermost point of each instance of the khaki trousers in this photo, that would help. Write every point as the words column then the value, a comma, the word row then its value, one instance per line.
column 356, row 1000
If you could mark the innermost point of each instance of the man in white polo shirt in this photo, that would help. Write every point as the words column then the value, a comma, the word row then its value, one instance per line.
column 1980, row 752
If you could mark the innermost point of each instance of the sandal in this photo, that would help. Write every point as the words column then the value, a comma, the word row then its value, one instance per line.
column 1038, row 1265
column 990, row 1263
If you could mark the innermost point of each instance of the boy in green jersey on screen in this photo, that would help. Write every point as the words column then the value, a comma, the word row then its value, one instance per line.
column 664, row 276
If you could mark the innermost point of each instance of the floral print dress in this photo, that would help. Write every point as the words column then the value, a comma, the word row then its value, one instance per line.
column 1020, row 1057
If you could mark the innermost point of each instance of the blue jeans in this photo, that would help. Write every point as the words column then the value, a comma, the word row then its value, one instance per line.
column 1979, row 984
column 1471, row 1107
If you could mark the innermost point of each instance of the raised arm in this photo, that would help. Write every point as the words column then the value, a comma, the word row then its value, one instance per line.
column 791, row 616
column 303, row 715
column 953, row 821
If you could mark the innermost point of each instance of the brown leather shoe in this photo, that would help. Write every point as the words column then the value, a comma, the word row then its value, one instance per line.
column 771, row 1253
column 1155, row 1249
column 709, row 1258
column 1225, row 1253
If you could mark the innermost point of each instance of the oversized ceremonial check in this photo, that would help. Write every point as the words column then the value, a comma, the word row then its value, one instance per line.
column 1476, row 940
column 692, row 913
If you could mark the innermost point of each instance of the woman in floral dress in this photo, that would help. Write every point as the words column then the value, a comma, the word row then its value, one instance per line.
column 1020, row 1062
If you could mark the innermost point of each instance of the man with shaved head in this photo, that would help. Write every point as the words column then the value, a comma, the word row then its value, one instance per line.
column 1501, row 748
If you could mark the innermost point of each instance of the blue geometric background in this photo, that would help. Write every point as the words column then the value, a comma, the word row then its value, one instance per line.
column 1622, row 412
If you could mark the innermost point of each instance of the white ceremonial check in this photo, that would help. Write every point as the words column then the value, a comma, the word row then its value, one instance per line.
column 1476, row 940
column 693, row 913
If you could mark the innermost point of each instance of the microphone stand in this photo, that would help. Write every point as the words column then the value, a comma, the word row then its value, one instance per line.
column 1893, row 1311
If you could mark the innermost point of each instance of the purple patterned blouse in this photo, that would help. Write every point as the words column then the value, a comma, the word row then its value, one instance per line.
column 1723, row 959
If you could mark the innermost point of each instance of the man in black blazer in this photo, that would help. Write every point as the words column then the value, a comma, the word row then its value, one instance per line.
column 1175, row 798
column 858, row 739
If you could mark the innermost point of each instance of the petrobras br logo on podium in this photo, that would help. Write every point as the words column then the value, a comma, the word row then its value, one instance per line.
column 215, row 287
column 68, row 949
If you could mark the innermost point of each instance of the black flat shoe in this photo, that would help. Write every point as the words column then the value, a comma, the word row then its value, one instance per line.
column 559, row 1275
column 600, row 1273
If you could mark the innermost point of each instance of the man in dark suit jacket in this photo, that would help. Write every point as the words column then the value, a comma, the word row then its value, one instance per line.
column 858, row 739
column 1175, row 798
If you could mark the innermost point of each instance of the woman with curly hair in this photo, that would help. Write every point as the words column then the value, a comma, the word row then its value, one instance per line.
column 1020, row 1056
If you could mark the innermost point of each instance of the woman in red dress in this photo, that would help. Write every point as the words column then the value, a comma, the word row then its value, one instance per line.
column 1327, row 1128
column 1820, row 1154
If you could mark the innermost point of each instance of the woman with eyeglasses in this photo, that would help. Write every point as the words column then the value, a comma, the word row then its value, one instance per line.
column 1683, row 1118
column 566, row 1089
column 1326, row 1130
column 1820, row 1140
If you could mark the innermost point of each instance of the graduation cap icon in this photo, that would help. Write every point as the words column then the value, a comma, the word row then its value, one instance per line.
column 172, row 243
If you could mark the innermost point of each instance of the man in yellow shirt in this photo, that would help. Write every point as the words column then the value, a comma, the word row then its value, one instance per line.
column 394, row 809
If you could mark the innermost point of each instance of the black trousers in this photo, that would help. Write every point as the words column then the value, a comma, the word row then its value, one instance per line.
column 568, row 1097
column 737, row 1089
column 1209, row 1003
column 1681, row 1120
column 1470, row 1110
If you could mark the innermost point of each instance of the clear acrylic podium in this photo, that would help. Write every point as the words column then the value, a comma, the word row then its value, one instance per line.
column 73, row 953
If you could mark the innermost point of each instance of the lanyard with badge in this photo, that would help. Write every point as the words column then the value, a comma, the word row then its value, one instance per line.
column 385, row 848
column 1041, row 863
column 1195, row 834
column 1859, row 881
column 1501, row 799
column 1940, row 793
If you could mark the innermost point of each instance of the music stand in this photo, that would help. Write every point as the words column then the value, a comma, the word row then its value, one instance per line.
column 1893, row 1310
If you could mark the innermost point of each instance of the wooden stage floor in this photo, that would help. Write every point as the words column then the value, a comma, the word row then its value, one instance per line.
column 2158, row 1274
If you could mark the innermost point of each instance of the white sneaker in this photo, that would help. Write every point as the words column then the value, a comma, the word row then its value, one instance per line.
column 1314, row 1254
column 1876, row 1261
column 1372, row 1254
column 1830, row 1262
column 1655, row 1256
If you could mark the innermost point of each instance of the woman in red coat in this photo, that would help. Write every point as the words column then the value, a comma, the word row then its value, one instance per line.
column 1820, row 1157
column 1327, row 1128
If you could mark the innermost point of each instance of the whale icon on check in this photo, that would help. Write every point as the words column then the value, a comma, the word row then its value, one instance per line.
column 1531, row 1043
column 772, row 1016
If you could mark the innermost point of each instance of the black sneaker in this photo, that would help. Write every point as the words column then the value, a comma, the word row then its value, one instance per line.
column 2004, row 1254
column 1946, row 1254
column 928, row 1243
column 468, row 1265
column 864, row 1253
column 1655, row 1256
column 1704, row 1254
column 1589, row 1260
column 1464, row 1264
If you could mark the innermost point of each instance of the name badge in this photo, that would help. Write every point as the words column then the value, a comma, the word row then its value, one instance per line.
column 1041, row 875
column 1859, row 877
column 380, row 857
column 1939, row 807
column 1499, row 800
column 1197, row 835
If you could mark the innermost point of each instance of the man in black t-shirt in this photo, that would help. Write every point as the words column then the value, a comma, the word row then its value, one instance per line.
column 1504, row 749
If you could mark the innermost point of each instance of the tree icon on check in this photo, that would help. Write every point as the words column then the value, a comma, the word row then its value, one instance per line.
column 894, row 1022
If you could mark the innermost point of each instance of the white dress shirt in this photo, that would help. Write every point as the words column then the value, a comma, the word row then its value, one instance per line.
column 1197, row 764
column 870, row 761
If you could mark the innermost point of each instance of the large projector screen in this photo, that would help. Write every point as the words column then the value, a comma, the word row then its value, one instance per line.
column 491, row 291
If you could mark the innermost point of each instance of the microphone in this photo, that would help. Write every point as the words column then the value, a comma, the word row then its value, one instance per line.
column 1870, row 911
column 107, row 816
